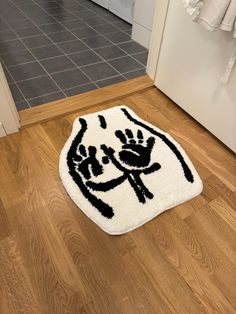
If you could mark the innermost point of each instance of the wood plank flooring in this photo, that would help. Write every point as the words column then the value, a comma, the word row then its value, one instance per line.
column 53, row 259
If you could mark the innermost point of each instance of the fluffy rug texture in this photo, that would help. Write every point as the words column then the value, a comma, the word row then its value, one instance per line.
column 122, row 171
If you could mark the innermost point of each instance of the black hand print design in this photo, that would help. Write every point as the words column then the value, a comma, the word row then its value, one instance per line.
column 87, row 161
column 82, row 163
column 135, row 152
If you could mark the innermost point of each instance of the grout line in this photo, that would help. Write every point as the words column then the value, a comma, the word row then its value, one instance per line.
column 33, row 55
column 81, row 39
column 58, row 91
column 61, row 49
column 110, row 33
column 92, row 82
column 29, row 99
column 9, row 71
column 62, row 42
column 88, row 48
column 107, row 39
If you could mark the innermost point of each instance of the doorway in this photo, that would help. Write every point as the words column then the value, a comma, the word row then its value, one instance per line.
column 51, row 50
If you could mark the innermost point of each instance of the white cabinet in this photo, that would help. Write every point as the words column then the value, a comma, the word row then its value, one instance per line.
column 189, row 70
column 122, row 8
column 143, row 20
column 103, row 3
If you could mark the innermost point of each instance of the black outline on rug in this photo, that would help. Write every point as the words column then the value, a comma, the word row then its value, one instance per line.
column 102, row 207
column 187, row 172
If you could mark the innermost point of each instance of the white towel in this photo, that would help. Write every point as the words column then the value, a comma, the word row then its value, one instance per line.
column 215, row 14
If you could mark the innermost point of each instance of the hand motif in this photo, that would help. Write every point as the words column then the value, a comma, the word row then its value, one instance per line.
column 87, row 162
column 136, row 152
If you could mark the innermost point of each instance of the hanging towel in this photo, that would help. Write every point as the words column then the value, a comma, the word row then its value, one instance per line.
column 215, row 14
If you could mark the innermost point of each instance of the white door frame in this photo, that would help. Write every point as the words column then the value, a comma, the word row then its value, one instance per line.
column 160, row 14
column 9, row 118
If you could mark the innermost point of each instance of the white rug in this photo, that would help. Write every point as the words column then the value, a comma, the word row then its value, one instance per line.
column 122, row 171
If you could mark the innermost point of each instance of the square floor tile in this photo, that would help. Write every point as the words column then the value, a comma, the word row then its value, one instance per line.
column 85, row 57
column 99, row 10
column 84, row 32
column 46, row 52
column 94, row 21
column 112, row 18
column 43, row 19
column 99, row 71
column 96, row 41
column 132, row 47
column 21, row 24
column 85, row 14
column 106, row 28
column 70, row 78
column 64, row 16
column 61, row 36
column 26, row 71
column 28, row 32
column 118, row 37
column 37, row 41
column 110, row 52
column 38, row 86
column 52, row 4
column 21, row 105
column 45, row 99
column 73, row 7
column 123, row 25
column 12, row 45
column 110, row 81
column 125, row 64
column 17, row 57
column 141, row 57
column 52, row 28
column 72, row 46
column 7, row 35
column 74, row 24
column 57, row 64
column 80, row 89
column 4, row 26
column 13, row 15
column 16, row 94
column 135, row 74
column 89, row 4
column 53, row 10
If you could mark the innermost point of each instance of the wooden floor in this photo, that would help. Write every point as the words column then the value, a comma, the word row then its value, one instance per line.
column 53, row 259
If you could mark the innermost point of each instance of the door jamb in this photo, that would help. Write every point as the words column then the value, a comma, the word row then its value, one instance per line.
column 159, row 20
column 9, row 118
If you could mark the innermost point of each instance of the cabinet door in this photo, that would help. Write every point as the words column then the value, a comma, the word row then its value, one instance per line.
column 191, row 63
column 123, row 8
column 103, row 3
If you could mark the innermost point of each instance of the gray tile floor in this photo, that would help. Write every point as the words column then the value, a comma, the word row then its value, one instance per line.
column 52, row 49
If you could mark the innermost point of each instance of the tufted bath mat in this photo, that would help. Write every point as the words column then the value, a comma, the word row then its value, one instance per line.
column 122, row 171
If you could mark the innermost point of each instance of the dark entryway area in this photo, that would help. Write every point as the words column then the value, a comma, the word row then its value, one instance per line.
column 54, row 49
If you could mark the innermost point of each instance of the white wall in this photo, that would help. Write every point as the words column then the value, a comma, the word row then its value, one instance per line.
column 142, row 22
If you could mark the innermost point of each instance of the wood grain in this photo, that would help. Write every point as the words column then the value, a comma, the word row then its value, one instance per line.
column 86, row 100
column 53, row 259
